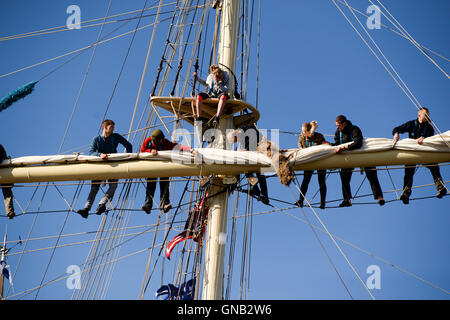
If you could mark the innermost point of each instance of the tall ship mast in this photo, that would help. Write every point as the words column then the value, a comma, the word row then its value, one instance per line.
column 212, row 175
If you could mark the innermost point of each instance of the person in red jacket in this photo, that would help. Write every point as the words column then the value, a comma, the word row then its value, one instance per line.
column 157, row 142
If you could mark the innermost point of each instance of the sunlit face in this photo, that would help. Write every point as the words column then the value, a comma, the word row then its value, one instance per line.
column 340, row 126
column 423, row 116
column 108, row 130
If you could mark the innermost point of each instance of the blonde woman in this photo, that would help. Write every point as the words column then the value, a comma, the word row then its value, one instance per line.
column 310, row 138
column 218, row 83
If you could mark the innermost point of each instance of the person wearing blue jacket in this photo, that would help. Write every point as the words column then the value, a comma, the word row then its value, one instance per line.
column 101, row 146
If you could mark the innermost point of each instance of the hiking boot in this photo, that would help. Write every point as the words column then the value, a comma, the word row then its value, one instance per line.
column 167, row 207
column 255, row 192
column 404, row 198
column 11, row 214
column 345, row 203
column 441, row 193
column 100, row 209
column 146, row 208
column 84, row 212
column 299, row 203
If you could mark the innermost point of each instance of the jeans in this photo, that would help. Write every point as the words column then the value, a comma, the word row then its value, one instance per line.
column 163, row 192
column 321, row 177
column 95, row 186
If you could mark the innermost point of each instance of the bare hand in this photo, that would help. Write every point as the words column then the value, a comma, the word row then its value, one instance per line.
column 339, row 149
column 104, row 156
column 420, row 140
column 396, row 137
column 194, row 74
column 154, row 152
column 194, row 152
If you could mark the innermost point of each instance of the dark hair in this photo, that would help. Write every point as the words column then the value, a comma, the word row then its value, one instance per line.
column 107, row 122
column 341, row 118
column 425, row 109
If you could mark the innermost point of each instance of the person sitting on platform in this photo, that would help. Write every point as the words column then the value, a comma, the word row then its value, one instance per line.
column 157, row 142
column 101, row 146
column 419, row 129
column 218, row 83
column 347, row 132
column 7, row 189
column 249, row 136
column 309, row 138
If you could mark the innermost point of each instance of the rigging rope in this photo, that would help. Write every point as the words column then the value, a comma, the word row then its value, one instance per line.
column 409, row 94
column 403, row 31
column 335, row 243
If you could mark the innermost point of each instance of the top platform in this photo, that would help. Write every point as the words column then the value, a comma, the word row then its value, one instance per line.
column 185, row 106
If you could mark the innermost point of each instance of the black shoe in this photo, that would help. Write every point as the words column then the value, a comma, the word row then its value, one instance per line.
column 215, row 122
column 146, row 208
column 167, row 207
column 299, row 203
column 11, row 214
column 255, row 192
column 101, row 208
column 84, row 212
column 381, row 202
column 322, row 205
column 345, row 203
column 404, row 198
column 441, row 193
column 264, row 199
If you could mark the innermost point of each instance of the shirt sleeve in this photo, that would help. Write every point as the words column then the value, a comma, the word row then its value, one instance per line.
column 357, row 139
column 300, row 145
column 336, row 138
column 125, row 143
column 406, row 127
column 145, row 146
column 94, row 148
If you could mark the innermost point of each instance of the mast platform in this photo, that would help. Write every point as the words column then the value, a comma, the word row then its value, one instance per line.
column 184, row 107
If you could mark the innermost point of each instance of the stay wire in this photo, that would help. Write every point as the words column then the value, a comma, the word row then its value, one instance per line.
column 336, row 244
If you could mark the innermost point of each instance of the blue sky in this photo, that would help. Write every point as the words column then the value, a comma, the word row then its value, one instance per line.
column 313, row 66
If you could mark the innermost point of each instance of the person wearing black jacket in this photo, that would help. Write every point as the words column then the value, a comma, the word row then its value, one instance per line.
column 7, row 189
column 419, row 129
column 347, row 132
column 248, row 136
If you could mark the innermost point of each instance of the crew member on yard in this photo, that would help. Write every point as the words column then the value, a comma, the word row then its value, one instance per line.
column 419, row 129
column 101, row 146
column 347, row 132
column 157, row 142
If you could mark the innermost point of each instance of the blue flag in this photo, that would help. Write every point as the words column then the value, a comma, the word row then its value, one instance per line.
column 184, row 292
column 5, row 271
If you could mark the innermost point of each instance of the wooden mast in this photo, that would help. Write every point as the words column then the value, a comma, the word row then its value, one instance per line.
column 217, row 218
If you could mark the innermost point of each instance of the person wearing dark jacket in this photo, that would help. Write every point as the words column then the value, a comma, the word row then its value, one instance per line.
column 347, row 132
column 7, row 190
column 419, row 129
column 309, row 138
column 101, row 146
column 157, row 142
column 248, row 137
